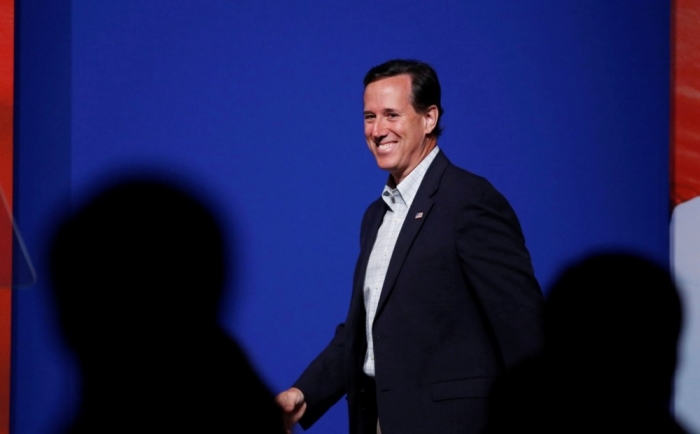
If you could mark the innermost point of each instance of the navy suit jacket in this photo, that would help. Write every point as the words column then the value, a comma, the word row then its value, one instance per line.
column 459, row 304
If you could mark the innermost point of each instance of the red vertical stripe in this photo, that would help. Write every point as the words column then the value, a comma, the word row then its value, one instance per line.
column 7, row 22
column 685, row 155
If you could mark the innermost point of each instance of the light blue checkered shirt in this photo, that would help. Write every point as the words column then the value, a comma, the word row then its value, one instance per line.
column 399, row 201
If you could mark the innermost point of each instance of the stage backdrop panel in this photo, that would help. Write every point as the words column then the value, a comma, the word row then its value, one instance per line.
column 562, row 105
column 685, row 183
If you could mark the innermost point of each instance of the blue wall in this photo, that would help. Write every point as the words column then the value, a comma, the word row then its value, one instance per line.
column 564, row 106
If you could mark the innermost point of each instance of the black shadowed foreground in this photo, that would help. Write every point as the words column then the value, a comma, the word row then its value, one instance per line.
column 612, row 324
column 137, row 275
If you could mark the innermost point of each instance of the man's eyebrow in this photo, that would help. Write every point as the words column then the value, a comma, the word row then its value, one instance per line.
column 383, row 111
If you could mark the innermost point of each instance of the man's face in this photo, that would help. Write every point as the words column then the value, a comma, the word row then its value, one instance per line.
column 395, row 132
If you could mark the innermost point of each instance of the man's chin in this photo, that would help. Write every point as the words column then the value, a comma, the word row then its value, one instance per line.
column 384, row 163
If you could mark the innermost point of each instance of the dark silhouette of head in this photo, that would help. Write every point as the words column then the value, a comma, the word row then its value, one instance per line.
column 137, row 273
column 142, row 256
column 620, row 316
column 611, row 325
column 425, row 85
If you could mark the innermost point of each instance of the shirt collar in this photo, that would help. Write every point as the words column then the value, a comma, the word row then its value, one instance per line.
column 409, row 186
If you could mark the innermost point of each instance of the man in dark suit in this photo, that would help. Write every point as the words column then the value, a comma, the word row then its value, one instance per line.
column 444, row 295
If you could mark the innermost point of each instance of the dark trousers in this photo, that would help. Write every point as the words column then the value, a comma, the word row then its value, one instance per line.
column 368, row 409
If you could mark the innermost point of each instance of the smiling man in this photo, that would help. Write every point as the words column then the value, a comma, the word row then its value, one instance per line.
column 444, row 296
column 398, row 136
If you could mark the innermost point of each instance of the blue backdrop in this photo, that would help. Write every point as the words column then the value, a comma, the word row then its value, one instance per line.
column 563, row 106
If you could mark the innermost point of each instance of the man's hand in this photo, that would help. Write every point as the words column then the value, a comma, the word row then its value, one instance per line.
column 293, row 407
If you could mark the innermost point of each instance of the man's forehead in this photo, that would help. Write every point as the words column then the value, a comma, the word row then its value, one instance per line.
column 395, row 89
column 401, row 80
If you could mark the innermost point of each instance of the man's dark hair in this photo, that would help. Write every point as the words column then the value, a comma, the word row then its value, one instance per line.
column 425, row 87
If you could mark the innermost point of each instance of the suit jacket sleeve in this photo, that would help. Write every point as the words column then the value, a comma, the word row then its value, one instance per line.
column 323, row 381
column 497, row 264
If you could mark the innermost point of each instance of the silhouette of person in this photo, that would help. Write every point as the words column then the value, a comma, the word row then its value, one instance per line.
column 137, row 275
column 611, row 324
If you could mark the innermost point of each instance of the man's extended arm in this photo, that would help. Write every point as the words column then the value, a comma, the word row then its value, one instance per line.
column 320, row 386
column 293, row 406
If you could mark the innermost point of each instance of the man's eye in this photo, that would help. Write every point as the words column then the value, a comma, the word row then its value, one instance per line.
column 369, row 117
column 392, row 115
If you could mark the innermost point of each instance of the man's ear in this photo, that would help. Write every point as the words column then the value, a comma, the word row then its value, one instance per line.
column 431, row 117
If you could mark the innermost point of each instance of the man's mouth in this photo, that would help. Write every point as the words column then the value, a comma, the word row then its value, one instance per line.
column 386, row 146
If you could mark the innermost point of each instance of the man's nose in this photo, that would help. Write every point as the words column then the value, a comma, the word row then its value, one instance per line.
column 378, row 130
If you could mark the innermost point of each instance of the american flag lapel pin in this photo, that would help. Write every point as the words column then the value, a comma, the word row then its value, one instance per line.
column 419, row 215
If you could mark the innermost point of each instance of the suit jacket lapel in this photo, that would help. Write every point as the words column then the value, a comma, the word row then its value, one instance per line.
column 422, row 203
column 368, row 234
